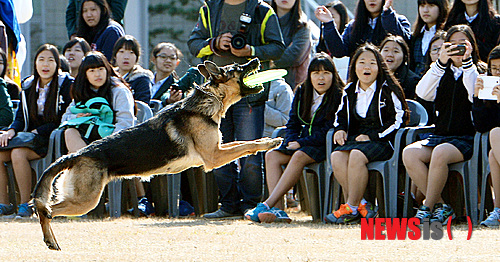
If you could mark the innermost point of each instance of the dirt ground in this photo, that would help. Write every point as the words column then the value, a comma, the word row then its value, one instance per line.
column 198, row 239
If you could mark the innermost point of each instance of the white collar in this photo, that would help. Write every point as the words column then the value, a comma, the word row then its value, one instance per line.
column 373, row 86
column 470, row 18
column 162, row 80
column 316, row 95
column 432, row 29
column 372, row 22
column 44, row 88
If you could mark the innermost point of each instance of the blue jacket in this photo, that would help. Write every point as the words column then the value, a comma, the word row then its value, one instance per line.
column 388, row 22
column 22, row 121
column 140, row 81
column 105, row 41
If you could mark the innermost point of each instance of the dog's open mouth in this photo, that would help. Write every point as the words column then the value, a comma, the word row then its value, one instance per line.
column 249, row 69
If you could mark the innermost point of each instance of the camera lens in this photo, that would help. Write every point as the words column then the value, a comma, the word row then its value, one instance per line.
column 238, row 41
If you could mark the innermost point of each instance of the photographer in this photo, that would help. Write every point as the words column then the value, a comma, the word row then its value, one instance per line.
column 213, row 38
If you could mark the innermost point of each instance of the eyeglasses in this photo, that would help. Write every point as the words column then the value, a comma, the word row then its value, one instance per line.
column 435, row 50
column 165, row 57
column 495, row 71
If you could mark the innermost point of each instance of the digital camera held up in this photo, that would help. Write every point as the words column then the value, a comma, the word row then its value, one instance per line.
column 239, row 40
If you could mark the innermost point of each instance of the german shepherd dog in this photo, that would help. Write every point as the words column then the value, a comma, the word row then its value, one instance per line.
column 183, row 135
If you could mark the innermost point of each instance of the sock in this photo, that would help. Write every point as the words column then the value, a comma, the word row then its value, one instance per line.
column 363, row 201
column 354, row 209
column 266, row 205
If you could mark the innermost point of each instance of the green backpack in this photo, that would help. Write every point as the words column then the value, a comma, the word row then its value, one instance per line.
column 102, row 117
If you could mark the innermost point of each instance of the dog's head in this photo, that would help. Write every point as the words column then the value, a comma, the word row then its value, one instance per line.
column 231, row 75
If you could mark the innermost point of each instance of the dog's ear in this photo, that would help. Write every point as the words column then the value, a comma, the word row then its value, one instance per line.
column 211, row 71
column 203, row 70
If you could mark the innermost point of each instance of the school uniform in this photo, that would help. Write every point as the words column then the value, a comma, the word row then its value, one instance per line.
column 311, row 135
column 451, row 89
column 485, row 114
column 375, row 113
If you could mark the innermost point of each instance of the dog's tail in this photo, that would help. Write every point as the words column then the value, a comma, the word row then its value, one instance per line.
column 43, row 190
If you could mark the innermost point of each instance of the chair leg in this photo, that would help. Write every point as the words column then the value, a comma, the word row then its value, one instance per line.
column 174, row 190
column 484, row 184
column 115, row 194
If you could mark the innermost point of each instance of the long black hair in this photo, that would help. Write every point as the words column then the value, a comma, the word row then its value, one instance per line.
column 297, row 16
column 49, row 112
column 361, row 23
column 82, row 89
column 321, row 61
column 486, row 14
column 440, row 34
column 87, row 32
column 384, row 75
column 494, row 54
column 444, row 8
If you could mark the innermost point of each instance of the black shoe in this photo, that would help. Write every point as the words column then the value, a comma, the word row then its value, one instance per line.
column 222, row 214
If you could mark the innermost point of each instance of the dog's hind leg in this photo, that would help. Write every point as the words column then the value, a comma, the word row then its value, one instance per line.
column 48, row 235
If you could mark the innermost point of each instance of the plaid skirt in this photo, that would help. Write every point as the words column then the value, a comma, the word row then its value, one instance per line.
column 318, row 153
column 463, row 143
column 373, row 150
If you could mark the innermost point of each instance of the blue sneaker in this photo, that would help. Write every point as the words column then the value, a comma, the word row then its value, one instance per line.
column 422, row 213
column 442, row 213
column 6, row 209
column 274, row 215
column 253, row 214
column 24, row 211
column 493, row 219
column 146, row 207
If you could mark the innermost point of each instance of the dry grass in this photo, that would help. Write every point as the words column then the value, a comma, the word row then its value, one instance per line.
column 197, row 239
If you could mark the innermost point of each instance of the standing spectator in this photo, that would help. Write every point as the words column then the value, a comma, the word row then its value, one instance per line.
column 313, row 110
column 277, row 106
column 126, row 53
column 96, row 26
column 165, row 58
column 44, row 99
column 482, row 18
column 297, row 37
column 374, row 20
column 218, row 22
column 12, row 88
column 486, row 117
column 74, row 51
column 73, row 12
column 396, row 54
column 450, row 84
column 431, row 17
column 373, row 108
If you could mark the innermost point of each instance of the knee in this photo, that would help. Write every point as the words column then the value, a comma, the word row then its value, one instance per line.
column 71, row 133
column 18, row 154
column 301, row 158
column 271, row 156
column 358, row 158
column 338, row 160
column 495, row 135
column 440, row 156
column 409, row 155
column 491, row 158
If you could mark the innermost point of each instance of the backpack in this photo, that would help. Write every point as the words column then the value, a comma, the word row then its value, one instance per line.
column 102, row 117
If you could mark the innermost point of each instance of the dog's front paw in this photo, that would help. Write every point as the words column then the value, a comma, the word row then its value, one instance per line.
column 274, row 143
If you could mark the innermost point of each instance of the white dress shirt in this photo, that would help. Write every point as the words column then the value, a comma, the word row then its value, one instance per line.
column 364, row 98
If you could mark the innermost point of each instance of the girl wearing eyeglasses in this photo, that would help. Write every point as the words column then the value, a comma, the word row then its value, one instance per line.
column 165, row 58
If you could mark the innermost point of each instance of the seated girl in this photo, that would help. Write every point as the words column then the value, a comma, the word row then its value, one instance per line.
column 311, row 116
column 373, row 108
column 449, row 83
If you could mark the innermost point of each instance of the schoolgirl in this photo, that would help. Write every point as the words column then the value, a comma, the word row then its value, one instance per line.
column 373, row 108
column 396, row 54
column 312, row 114
column 483, row 20
column 44, row 99
column 450, row 84
column 486, row 116
column 431, row 18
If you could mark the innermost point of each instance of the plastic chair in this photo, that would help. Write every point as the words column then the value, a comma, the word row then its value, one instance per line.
column 310, row 186
column 388, row 169
column 115, row 187
column 38, row 165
